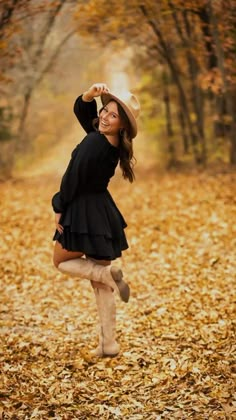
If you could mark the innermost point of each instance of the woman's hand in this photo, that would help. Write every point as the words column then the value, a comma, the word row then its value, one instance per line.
column 95, row 90
column 57, row 220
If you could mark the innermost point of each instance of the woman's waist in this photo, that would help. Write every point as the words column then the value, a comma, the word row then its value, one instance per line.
column 87, row 190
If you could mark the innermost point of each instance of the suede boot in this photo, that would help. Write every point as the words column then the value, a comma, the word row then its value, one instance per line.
column 108, row 346
column 109, row 275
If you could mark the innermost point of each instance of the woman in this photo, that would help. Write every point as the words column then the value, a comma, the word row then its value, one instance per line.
column 90, row 228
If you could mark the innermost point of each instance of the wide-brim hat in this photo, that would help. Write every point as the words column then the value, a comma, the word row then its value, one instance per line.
column 130, row 104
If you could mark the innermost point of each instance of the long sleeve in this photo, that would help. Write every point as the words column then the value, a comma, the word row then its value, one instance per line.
column 92, row 162
column 68, row 186
column 85, row 112
column 91, row 166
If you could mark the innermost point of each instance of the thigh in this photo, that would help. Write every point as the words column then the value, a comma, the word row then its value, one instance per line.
column 60, row 254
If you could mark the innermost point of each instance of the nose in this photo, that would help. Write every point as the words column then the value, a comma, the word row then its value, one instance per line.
column 104, row 116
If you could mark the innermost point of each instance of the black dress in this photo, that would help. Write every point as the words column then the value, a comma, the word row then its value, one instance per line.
column 92, row 222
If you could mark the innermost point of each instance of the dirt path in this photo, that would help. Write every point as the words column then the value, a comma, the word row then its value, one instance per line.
column 177, row 333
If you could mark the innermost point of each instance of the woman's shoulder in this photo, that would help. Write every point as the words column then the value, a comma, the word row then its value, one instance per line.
column 91, row 137
column 96, row 144
column 92, row 140
column 101, row 139
column 94, row 135
column 86, row 142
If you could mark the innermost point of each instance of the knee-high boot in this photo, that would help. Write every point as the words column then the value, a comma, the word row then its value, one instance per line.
column 109, row 275
column 108, row 345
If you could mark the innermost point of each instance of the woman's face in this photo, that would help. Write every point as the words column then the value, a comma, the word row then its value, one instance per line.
column 109, row 120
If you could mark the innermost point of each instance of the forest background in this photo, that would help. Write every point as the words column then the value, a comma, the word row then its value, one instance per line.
column 177, row 56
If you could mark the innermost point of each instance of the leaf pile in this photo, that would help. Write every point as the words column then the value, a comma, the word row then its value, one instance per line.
column 177, row 333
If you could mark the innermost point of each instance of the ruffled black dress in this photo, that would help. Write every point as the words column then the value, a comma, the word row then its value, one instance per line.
column 92, row 222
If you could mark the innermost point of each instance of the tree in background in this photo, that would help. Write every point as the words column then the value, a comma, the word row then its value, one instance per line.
column 187, row 41
column 8, row 58
column 35, row 35
column 182, row 52
column 224, row 40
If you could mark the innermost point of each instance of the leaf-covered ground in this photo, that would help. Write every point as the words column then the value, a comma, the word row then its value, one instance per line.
column 177, row 333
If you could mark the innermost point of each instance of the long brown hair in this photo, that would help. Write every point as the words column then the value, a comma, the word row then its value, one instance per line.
column 127, row 159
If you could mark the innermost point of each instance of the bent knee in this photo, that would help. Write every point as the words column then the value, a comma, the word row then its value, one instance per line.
column 56, row 262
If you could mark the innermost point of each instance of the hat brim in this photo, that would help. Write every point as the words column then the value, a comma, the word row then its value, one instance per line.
column 107, row 97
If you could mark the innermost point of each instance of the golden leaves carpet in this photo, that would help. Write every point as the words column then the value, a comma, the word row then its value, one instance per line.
column 177, row 333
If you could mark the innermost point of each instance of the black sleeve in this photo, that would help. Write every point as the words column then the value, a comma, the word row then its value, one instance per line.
column 57, row 203
column 86, row 112
column 81, row 171
column 69, row 184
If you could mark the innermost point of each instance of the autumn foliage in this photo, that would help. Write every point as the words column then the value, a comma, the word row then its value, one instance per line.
column 189, row 52
column 177, row 333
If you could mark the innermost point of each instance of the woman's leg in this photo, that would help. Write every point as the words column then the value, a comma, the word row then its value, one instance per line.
column 60, row 255
column 72, row 263
column 106, row 308
column 107, row 344
column 95, row 284
column 105, row 301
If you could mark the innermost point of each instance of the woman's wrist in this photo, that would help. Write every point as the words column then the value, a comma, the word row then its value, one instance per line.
column 86, row 97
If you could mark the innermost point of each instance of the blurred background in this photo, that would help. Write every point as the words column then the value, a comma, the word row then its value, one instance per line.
column 178, row 334
column 178, row 56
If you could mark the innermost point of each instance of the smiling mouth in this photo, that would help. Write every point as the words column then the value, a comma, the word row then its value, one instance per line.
column 104, row 124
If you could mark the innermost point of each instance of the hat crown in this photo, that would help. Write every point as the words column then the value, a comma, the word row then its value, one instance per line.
column 128, row 102
column 131, row 101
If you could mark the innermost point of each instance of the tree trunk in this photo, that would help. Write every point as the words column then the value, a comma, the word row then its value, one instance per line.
column 169, row 126
column 204, row 16
column 166, row 54
column 228, row 90
column 22, row 140
column 233, row 144
column 6, row 15
column 197, row 95
column 22, row 143
column 183, row 131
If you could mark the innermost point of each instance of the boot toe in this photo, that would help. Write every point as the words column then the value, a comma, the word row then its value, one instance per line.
column 123, row 287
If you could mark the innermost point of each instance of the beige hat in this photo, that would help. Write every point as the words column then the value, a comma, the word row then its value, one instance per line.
column 130, row 105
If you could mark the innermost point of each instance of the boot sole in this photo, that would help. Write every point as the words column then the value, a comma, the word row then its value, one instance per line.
column 109, row 355
column 96, row 353
column 123, row 287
